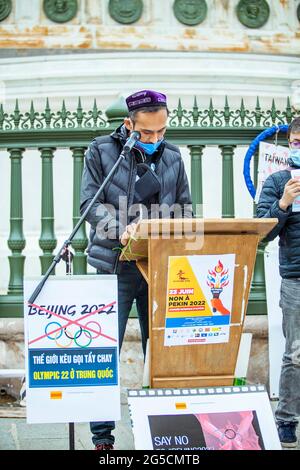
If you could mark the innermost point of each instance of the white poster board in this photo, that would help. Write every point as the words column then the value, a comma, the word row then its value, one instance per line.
column 221, row 418
column 199, row 299
column 276, row 338
column 295, row 174
column 71, row 350
column 242, row 362
column 271, row 158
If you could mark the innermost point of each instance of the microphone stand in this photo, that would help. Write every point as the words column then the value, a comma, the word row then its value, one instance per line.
column 68, row 242
column 65, row 254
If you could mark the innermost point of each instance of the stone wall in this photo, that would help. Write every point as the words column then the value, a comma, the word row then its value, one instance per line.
column 131, row 368
column 255, row 26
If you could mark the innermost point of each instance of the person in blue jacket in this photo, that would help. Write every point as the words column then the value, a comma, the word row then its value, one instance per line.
column 276, row 201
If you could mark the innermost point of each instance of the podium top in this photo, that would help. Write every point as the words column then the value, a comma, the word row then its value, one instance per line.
column 261, row 227
column 161, row 228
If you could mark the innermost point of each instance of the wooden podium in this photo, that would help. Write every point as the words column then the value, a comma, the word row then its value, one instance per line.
column 196, row 365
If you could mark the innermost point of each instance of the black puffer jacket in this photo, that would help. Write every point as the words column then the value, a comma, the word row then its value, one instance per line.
column 103, row 152
column 288, row 227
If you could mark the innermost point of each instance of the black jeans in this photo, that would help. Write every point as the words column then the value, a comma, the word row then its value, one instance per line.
column 131, row 286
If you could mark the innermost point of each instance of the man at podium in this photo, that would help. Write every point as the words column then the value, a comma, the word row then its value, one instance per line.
column 151, row 178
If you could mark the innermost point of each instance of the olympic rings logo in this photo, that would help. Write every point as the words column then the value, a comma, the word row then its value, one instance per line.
column 64, row 337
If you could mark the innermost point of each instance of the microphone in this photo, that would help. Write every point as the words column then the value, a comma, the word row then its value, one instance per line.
column 134, row 137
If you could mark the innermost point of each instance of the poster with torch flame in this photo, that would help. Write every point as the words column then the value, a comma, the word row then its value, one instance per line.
column 199, row 299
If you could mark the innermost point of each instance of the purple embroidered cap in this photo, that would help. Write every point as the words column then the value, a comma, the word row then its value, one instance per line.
column 144, row 99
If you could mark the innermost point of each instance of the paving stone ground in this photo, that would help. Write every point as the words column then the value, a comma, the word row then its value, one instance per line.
column 16, row 434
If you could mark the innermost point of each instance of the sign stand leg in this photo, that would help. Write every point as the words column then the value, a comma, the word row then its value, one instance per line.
column 71, row 436
column 68, row 257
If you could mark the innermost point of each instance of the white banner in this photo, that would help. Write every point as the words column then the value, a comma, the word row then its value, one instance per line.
column 276, row 338
column 271, row 158
column 71, row 350
column 220, row 418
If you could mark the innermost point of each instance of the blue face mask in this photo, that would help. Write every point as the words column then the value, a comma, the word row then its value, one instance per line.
column 149, row 149
column 295, row 156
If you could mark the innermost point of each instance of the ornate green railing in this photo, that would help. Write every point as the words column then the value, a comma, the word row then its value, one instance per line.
column 48, row 130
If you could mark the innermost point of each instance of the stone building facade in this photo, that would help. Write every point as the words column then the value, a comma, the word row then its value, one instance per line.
column 62, row 49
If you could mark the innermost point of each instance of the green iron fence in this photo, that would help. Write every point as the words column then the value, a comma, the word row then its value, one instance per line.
column 48, row 130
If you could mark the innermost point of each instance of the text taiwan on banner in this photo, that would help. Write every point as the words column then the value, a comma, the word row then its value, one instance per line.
column 272, row 158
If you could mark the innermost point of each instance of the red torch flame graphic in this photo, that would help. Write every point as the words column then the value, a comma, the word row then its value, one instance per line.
column 219, row 267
